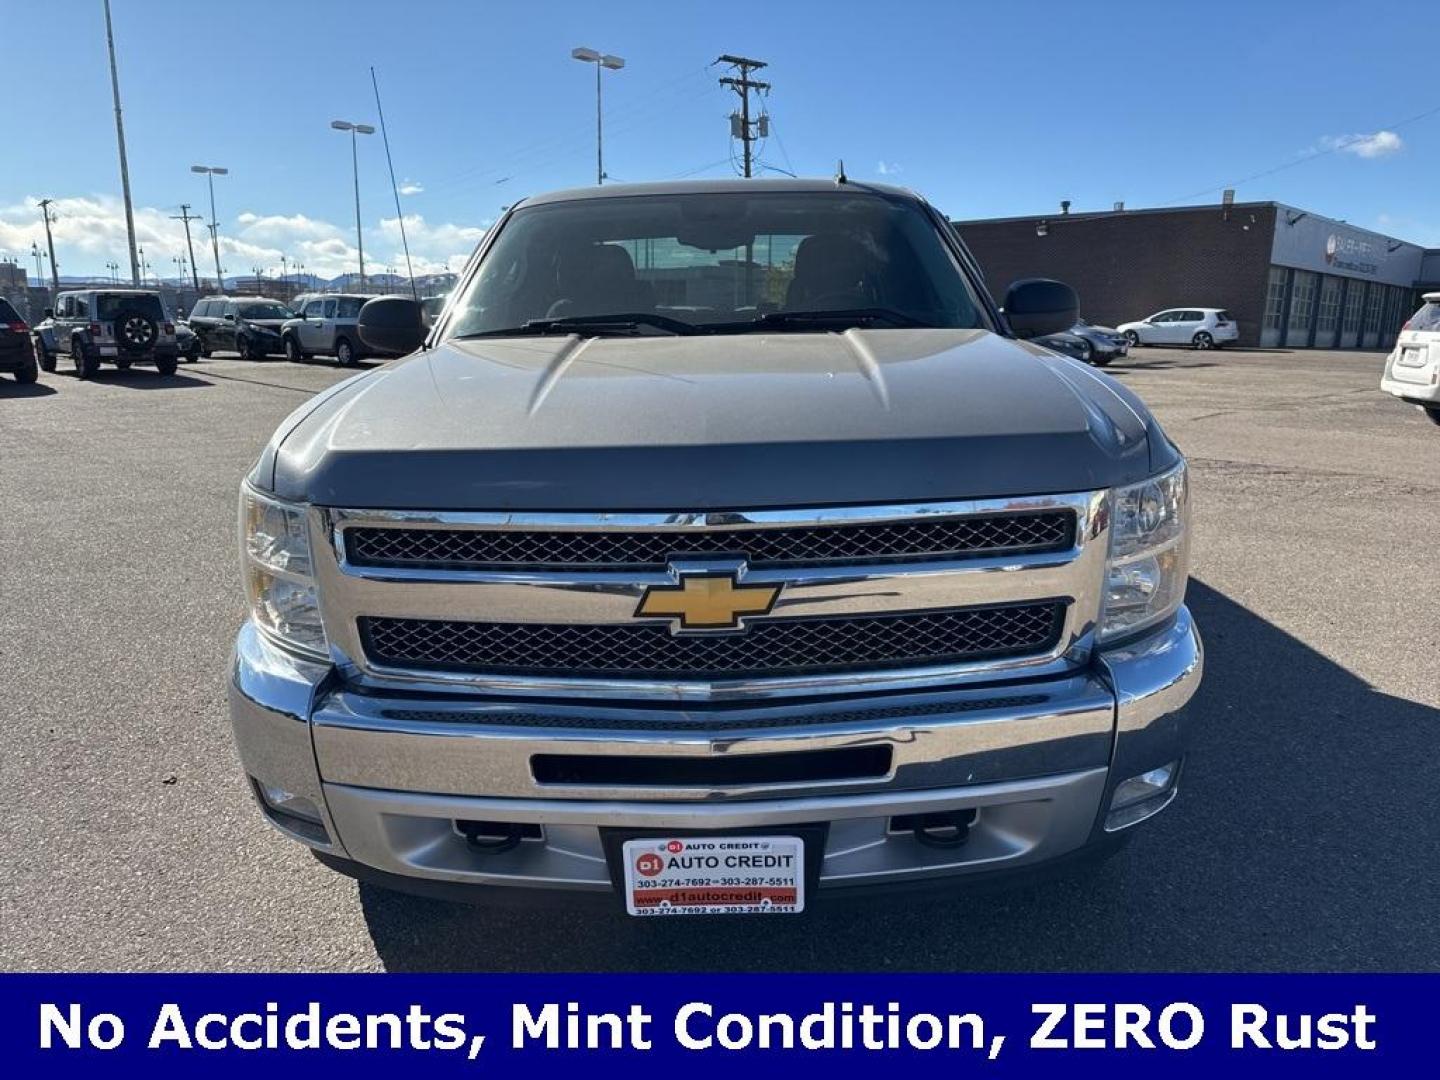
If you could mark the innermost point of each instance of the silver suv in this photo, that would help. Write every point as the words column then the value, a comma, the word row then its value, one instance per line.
column 325, row 327
column 116, row 326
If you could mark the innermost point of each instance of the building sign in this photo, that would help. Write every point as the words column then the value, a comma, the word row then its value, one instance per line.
column 1352, row 255
column 1310, row 242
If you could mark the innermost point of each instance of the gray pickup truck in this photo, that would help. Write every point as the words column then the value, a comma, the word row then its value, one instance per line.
column 723, row 547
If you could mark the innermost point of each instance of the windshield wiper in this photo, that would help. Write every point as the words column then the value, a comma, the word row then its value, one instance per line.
column 620, row 322
column 846, row 318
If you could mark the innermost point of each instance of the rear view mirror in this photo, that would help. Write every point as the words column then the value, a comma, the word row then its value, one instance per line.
column 391, row 324
column 1035, row 307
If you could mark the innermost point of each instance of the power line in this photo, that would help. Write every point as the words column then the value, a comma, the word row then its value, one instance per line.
column 561, row 143
column 1336, row 147
column 742, row 85
column 703, row 168
column 781, row 143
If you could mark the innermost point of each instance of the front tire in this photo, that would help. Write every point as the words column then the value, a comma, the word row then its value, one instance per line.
column 1132, row 339
column 344, row 353
column 1432, row 411
column 244, row 348
column 293, row 352
column 204, row 349
column 167, row 365
column 45, row 357
column 1102, row 361
column 1203, row 340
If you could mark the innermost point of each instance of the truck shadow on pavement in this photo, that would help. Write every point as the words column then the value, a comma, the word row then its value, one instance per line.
column 1303, row 839
column 9, row 388
column 147, row 379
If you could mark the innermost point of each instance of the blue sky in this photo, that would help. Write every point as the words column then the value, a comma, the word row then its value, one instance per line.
column 989, row 109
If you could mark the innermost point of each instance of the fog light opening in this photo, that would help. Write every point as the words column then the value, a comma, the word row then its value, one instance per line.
column 1142, row 796
column 294, row 813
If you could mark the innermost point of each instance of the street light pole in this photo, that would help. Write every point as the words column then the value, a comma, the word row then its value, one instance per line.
column 356, row 129
column 613, row 63
column 212, row 171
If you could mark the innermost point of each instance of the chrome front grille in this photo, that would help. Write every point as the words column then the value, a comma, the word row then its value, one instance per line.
column 869, row 598
column 777, row 647
column 524, row 548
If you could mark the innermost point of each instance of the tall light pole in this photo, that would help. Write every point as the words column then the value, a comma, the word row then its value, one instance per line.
column 120, row 137
column 600, row 60
column 356, row 129
column 210, row 172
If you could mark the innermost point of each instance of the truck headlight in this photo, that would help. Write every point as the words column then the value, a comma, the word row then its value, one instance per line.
column 1149, row 560
column 275, row 562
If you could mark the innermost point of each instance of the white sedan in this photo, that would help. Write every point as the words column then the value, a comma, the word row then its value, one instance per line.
column 1201, row 328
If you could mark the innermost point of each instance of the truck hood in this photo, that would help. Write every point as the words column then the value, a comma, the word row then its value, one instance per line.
column 713, row 422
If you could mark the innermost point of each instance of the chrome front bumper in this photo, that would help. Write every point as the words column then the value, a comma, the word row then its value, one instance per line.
column 380, row 780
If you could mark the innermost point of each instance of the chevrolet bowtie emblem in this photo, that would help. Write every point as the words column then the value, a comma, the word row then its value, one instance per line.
column 708, row 601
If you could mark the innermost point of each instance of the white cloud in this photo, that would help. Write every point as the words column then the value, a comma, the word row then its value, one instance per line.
column 280, row 229
column 888, row 168
column 90, row 231
column 411, row 187
column 1377, row 144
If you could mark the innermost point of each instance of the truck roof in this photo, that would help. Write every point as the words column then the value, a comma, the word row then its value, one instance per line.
column 711, row 187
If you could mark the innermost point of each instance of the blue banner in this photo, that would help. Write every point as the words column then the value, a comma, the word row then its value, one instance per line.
column 649, row 1026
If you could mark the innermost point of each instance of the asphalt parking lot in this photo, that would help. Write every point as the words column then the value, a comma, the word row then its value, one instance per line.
column 1305, row 837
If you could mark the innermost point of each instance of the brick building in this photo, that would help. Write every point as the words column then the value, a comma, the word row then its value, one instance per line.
column 1290, row 278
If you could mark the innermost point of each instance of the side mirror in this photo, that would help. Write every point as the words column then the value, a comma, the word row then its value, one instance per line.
column 391, row 324
column 1035, row 307
column 49, row 313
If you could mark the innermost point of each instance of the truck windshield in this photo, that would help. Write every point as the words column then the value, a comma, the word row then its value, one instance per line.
column 717, row 263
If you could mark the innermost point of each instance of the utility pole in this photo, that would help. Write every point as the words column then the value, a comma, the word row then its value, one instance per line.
column 742, row 85
column 188, row 217
column 50, row 243
column 120, row 136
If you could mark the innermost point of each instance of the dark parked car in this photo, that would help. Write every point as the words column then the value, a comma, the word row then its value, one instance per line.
column 1096, row 345
column 188, row 342
column 17, row 351
column 248, row 325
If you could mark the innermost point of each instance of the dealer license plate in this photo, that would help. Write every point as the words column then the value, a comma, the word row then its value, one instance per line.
column 715, row 875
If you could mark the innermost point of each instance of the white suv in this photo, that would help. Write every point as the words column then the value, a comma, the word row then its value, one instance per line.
column 1412, row 370
column 1202, row 328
